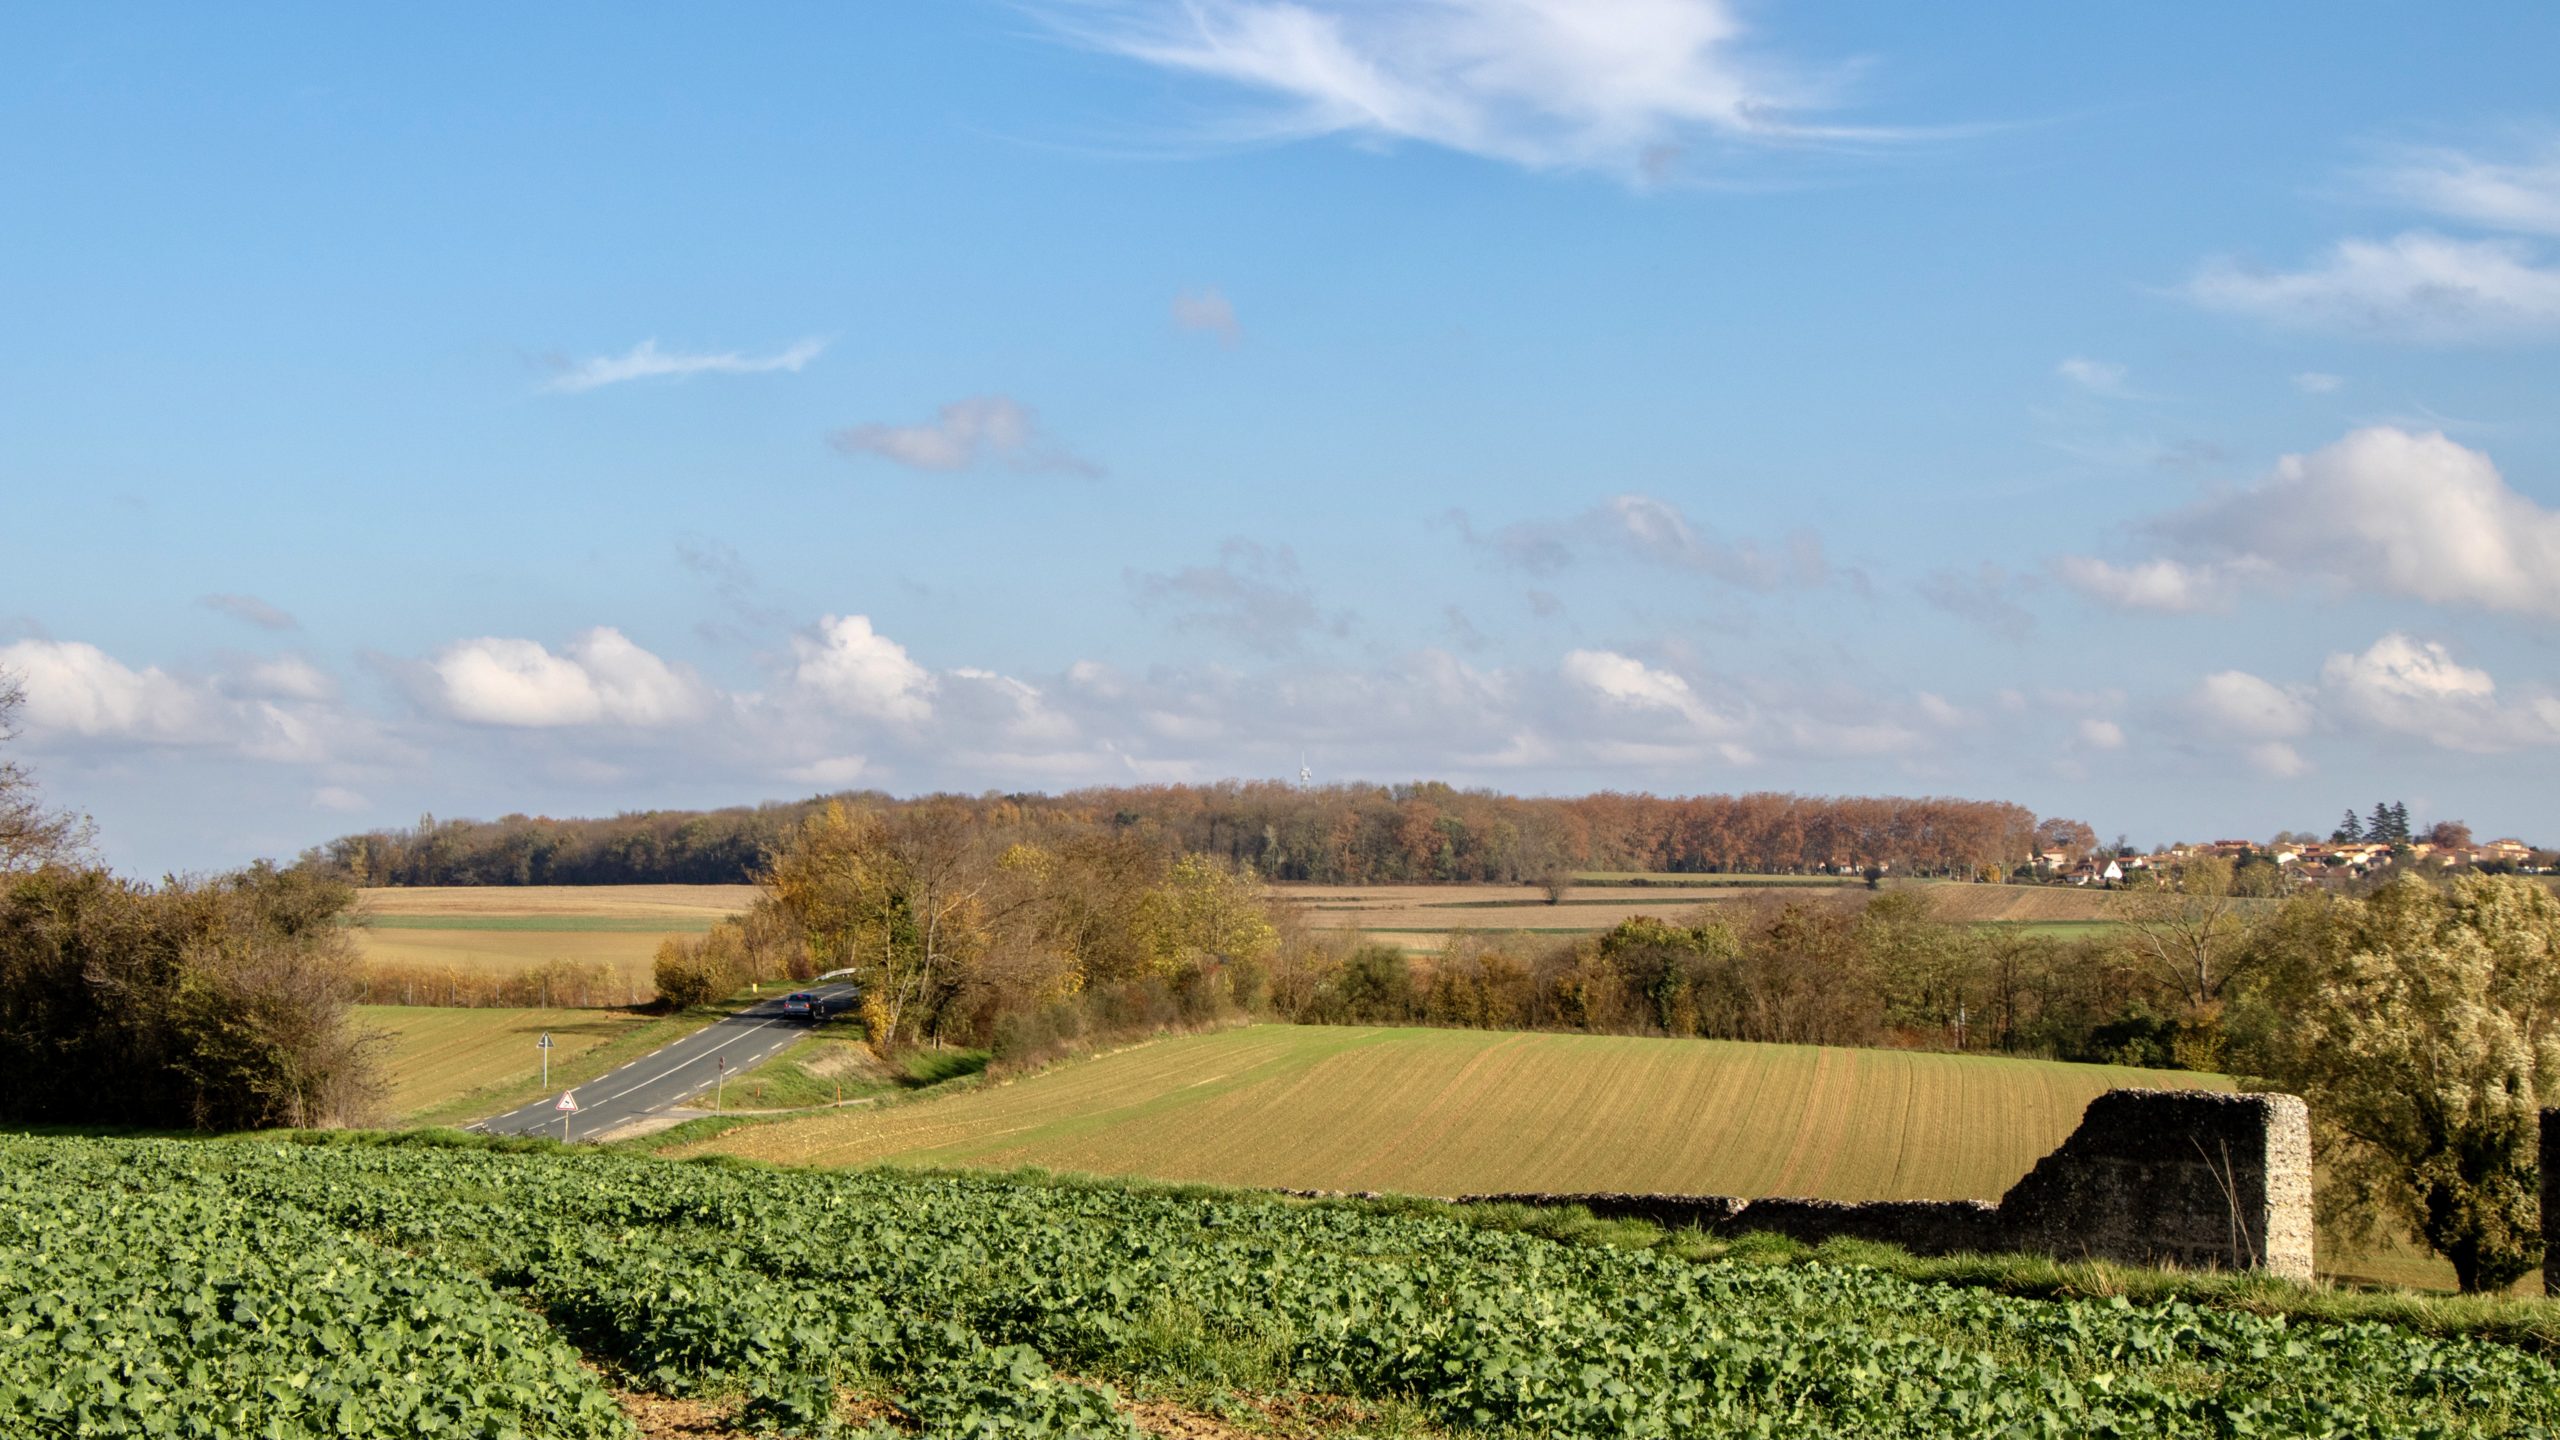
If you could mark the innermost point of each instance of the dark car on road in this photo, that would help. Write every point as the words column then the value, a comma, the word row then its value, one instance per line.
column 807, row 1006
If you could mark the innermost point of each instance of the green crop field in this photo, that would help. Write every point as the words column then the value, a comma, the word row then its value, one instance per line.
column 1448, row 1112
column 370, row 1291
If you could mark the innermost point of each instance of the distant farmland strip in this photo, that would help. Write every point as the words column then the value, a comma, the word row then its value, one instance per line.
column 1450, row 1112
column 553, row 924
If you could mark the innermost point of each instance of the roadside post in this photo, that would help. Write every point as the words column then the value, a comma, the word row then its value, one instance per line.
column 720, row 1086
column 544, row 1045
column 567, row 1107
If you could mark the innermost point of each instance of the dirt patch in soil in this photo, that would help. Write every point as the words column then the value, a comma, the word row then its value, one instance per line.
column 662, row 1417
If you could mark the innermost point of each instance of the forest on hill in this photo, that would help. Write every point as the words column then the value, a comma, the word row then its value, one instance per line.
column 1336, row 834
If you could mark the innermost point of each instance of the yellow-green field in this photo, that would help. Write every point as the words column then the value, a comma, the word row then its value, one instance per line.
column 1450, row 1112
column 434, row 1056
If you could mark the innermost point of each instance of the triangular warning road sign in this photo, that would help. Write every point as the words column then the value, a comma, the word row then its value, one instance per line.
column 568, row 1102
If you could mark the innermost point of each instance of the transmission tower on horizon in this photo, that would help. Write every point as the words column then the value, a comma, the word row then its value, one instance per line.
column 1306, row 777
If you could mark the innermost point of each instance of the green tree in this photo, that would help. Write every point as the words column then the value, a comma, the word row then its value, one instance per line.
column 2423, row 1025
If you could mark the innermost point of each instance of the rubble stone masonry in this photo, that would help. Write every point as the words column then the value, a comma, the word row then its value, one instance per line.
column 2152, row 1177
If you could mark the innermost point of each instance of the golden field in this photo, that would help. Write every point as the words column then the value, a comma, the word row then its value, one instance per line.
column 504, row 930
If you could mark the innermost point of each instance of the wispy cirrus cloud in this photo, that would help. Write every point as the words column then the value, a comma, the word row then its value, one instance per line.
column 2421, row 285
column 1618, row 86
column 2098, row 377
column 2418, row 286
column 2521, row 195
column 645, row 361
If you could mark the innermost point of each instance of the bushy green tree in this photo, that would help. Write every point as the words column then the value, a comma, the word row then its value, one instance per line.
column 2423, row 1025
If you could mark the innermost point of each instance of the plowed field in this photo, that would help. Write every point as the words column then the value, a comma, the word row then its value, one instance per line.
column 1451, row 1112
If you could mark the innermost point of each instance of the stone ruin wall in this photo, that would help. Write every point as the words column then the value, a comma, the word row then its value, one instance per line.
column 2551, row 1202
column 2152, row 1177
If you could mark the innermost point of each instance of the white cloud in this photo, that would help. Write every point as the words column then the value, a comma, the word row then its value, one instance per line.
column 2314, row 382
column 2417, row 286
column 76, row 688
column 2236, row 702
column 645, row 361
column 2098, row 377
column 859, row 671
column 1207, row 309
column 2522, row 196
column 290, row 677
column 2162, row 585
column 338, row 798
column 2382, row 509
column 79, row 693
column 2101, row 734
column 2278, row 760
column 1620, row 86
column 601, row 677
column 832, row 771
column 2407, row 514
column 964, row 434
column 1628, row 683
column 2406, row 686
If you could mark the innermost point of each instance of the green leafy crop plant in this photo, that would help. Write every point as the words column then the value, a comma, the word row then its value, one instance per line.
column 994, row 1306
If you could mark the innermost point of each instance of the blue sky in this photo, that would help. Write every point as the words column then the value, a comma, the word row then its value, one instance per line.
column 2141, row 415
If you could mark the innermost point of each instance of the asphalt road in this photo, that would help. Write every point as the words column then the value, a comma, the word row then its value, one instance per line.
column 665, row 1078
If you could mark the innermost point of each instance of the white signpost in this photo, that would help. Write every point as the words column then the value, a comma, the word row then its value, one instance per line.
column 544, row 1045
column 567, row 1107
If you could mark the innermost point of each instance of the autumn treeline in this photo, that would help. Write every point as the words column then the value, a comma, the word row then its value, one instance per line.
column 1832, row 968
column 1335, row 834
column 961, row 932
column 958, row 931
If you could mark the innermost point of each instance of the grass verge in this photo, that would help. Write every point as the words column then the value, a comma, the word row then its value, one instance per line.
column 659, row 1031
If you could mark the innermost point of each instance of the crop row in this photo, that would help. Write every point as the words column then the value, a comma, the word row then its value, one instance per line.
column 969, row 1300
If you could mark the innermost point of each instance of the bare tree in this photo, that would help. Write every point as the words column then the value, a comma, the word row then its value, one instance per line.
column 2185, row 930
column 30, row 835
